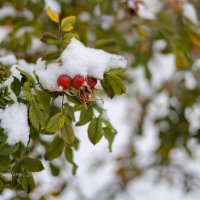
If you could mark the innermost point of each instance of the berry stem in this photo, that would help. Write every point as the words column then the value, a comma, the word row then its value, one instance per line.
column 62, row 108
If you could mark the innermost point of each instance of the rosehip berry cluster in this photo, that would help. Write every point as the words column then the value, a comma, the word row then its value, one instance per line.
column 84, row 85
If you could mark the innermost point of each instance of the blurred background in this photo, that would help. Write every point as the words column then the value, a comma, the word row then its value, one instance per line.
column 156, row 152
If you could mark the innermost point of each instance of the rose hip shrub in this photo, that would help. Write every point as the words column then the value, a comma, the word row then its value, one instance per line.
column 42, row 99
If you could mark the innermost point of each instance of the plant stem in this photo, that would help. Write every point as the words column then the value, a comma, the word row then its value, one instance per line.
column 62, row 109
column 61, row 48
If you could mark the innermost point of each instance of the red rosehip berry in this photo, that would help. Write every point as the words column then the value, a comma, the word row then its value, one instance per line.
column 78, row 81
column 64, row 81
column 85, row 96
column 91, row 82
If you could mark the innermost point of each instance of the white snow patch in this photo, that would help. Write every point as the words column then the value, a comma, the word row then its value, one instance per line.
column 190, row 81
column 37, row 45
column 149, row 9
column 162, row 68
column 190, row 13
column 84, row 17
column 8, row 60
column 54, row 5
column 23, row 30
column 40, row 64
column 14, row 122
column 48, row 78
column 4, row 31
column 79, row 59
column 107, row 22
column 9, row 11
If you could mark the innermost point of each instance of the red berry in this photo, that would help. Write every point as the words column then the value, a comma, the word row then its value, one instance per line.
column 78, row 81
column 85, row 96
column 91, row 82
column 64, row 81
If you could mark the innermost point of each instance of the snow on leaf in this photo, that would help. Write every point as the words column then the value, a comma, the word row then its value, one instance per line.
column 79, row 59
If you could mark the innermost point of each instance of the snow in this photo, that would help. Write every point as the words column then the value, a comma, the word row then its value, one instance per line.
column 149, row 9
column 79, row 59
column 23, row 30
column 15, row 124
column 53, row 5
column 48, row 77
column 4, row 31
column 107, row 21
column 162, row 68
column 190, row 13
column 37, row 45
column 84, row 17
column 9, row 11
column 8, row 60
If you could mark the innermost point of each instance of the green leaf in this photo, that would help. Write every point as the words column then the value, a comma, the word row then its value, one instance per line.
column 107, row 87
column 32, row 165
column 27, row 91
column 27, row 76
column 181, row 59
column 116, row 71
column 36, row 116
column 100, row 44
column 52, row 55
column 36, row 76
column 8, row 150
column 16, row 86
column 76, row 144
column 85, row 116
column 68, row 36
column 56, row 122
column 95, row 130
column 69, row 158
column 70, row 111
column 43, row 98
column 117, row 84
column 75, row 101
column 54, row 169
column 2, row 137
column 109, row 135
column 27, row 182
column 67, row 23
column 112, row 82
column 50, row 38
column 1, row 185
column 4, row 163
column 67, row 134
column 55, row 149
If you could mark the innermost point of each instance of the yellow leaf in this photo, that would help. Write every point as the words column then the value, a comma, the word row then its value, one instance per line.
column 195, row 38
column 67, row 23
column 67, row 28
column 181, row 60
column 54, row 16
